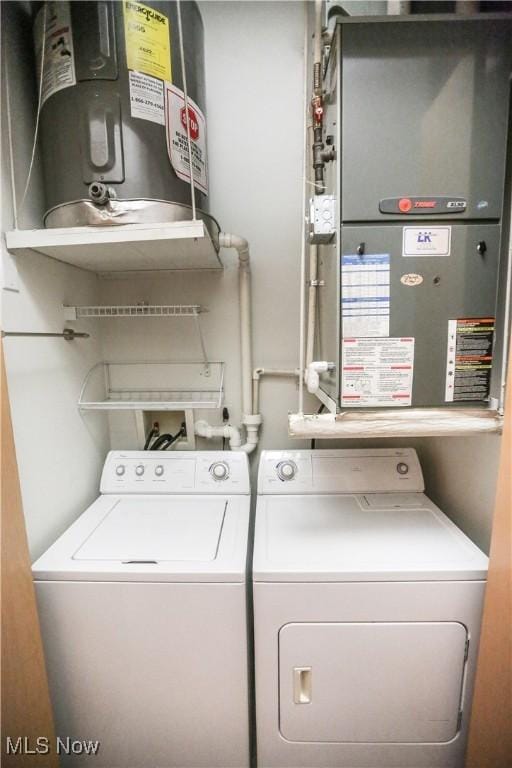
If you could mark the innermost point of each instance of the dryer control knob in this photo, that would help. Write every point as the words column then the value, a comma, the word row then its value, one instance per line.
column 120, row 470
column 219, row 470
column 139, row 470
column 286, row 470
column 402, row 468
column 159, row 470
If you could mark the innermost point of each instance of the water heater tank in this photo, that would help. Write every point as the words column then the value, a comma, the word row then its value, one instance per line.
column 113, row 125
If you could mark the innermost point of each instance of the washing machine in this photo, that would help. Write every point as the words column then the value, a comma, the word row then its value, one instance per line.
column 142, row 604
column 367, row 610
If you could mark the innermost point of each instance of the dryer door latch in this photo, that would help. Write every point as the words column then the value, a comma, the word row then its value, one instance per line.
column 302, row 685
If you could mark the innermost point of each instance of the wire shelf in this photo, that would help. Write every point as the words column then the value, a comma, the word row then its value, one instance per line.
column 153, row 386
column 134, row 310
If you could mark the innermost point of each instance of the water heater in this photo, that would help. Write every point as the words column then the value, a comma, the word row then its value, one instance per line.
column 412, row 308
column 113, row 122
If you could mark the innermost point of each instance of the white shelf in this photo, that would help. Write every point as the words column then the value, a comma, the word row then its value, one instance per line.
column 410, row 422
column 179, row 245
column 133, row 310
column 153, row 386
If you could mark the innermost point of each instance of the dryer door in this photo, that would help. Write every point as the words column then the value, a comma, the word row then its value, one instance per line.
column 371, row 682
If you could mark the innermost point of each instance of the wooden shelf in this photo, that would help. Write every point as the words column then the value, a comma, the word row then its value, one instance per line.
column 180, row 245
column 411, row 422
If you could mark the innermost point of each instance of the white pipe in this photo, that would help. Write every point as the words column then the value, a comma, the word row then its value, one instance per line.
column 203, row 429
column 312, row 374
column 317, row 56
column 312, row 300
column 242, row 246
column 276, row 372
column 250, row 420
column 303, row 228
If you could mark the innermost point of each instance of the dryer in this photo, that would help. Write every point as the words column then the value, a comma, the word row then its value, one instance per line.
column 142, row 603
column 367, row 610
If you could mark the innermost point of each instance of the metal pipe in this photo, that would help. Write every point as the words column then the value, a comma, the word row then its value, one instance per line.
column 68, row 334
column 316, row 103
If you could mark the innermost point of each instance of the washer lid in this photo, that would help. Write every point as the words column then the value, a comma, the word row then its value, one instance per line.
column 158, row 529
column 167, row 538
column 372, row 537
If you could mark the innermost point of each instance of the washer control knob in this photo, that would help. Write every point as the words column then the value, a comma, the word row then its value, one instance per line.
column 139, row 470
column 159, row 470
column 402, row 468
column 120, row 470
column 219, row 470
column 286, row 470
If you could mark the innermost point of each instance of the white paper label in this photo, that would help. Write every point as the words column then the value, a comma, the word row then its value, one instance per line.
column 426, row 241
column 377, row 372
column 411, row 279
column 177, row 141
column 365, row 294
column 58, row 57
column 147, row 98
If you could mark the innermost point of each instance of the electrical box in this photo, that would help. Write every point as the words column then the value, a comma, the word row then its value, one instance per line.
column 413, row 308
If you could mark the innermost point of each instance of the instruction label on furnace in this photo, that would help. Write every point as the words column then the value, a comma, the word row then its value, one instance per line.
column 377, row 372
column 365, row 294
column 426, row 241
column 58, row 57
column 147, row 39
column 469, row 358
column 177, row 140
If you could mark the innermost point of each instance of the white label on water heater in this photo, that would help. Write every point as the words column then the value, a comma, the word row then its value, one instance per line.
column 58, row 58
column 426, row 241
column 377, row 372
column 147, row 98
column 177, row 140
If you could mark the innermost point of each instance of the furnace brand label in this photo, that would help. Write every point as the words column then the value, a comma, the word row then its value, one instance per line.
column 377, row 372
column 365, row 294
column 58, row 57
column 414, row 206
column 426, row 241
column 148, row 47
column 469, row 358
column 147, row 98
column 177, row 140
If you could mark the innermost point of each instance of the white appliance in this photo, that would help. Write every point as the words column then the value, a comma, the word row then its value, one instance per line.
column 367, row 608
column 142, row 603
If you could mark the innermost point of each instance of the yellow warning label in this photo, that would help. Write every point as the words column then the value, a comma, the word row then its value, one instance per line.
column 148, row 47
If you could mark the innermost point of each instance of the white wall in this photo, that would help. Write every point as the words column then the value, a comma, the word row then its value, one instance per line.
column 254, row 65
column 59, row 453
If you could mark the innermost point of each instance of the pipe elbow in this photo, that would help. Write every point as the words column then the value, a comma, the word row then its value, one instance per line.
column 241, row 245
column 312, row 374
